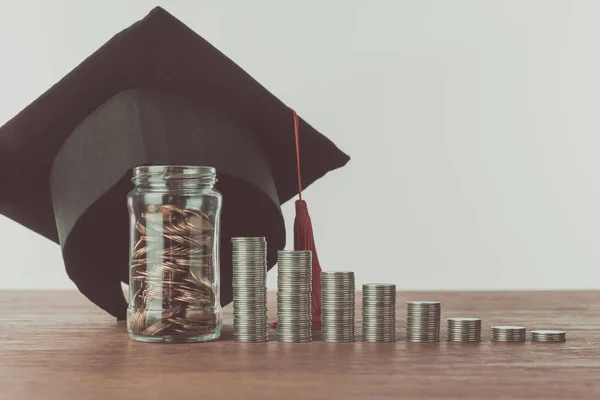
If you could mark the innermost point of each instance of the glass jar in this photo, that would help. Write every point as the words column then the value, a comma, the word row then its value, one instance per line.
column 174, row 255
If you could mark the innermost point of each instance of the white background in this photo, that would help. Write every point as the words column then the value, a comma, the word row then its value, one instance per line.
column 473, row 127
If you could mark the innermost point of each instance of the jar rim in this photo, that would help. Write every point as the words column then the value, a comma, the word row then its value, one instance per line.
column 174, row 174
column 179, row 168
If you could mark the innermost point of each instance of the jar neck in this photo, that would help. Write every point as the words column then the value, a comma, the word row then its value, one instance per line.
column 174, row 177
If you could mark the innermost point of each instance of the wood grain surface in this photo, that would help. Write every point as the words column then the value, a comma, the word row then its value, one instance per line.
column 57, row 345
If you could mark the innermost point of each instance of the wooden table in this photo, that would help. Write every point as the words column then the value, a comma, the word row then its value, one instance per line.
column 57, row 345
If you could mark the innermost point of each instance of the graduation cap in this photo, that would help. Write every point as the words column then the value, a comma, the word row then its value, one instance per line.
column 156, row 93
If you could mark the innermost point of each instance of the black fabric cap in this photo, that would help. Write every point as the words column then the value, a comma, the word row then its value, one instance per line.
column 156, row 93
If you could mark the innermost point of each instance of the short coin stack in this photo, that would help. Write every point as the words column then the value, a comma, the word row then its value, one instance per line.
column 548, row 336
column 423, row 321
column 294, row 285
column 379, row 312
column 250, row 289
column 337, row 306
column 464, row 329
column 508, row 333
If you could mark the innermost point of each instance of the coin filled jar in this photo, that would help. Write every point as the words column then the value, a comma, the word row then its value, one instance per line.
column 174, row 255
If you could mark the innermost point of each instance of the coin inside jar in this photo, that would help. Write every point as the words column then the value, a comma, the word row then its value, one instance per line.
column 171, row 258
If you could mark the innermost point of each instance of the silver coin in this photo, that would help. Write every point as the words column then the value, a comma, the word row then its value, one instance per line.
column 250, row 316
column 337, row 306
column 463, row 330
column 548, row 336
column 509, row 328
column 548, row 332
column 334, row 274
column 423, row 303
column 508, row 333
column 338, row 340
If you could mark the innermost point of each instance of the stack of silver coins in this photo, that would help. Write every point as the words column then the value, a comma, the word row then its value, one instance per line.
column 508, row 333
column 548, row 336
column 250, row 289
column 294, row 286
column 423, row 321
column 464, row 329
column 379, row 312
column 337, row 306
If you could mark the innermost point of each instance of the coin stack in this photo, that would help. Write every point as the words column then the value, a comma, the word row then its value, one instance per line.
column 250, row 289
column 464, row 329
column 379, row 312
column 423, row 321
column 294, row 284
column 337, row 306
column 548, row 336
column 508, row 333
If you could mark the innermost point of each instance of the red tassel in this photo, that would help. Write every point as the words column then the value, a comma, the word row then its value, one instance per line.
column 304, row 238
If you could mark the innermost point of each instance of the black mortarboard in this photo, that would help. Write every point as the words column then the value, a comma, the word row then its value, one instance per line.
column 156, row 93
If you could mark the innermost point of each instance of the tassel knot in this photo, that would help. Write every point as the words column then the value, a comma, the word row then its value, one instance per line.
column 301, row 208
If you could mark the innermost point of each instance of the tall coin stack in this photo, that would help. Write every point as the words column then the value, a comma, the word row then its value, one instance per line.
column 250, row 289
column 379, row 312
column 464, row 329
column 337, row 306
column 423, row 321
column 294, row 285
column 508, row 333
